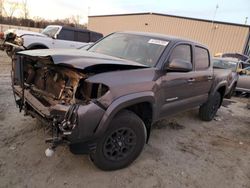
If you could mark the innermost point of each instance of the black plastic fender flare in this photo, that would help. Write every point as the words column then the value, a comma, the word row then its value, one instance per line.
column 221, row 84
column 122, row 103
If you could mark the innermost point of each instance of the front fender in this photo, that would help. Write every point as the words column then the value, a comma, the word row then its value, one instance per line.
column 122, row 103
column 31, row 41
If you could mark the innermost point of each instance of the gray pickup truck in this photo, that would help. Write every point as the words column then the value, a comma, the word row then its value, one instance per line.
column 103, row 101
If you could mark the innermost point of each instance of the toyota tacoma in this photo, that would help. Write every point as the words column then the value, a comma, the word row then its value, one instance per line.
column 104, row 100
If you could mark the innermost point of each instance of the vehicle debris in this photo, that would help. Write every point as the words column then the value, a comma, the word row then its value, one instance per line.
column 49, row 152
column 217, row 118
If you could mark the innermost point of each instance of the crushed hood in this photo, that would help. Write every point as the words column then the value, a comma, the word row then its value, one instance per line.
column 24, row 32
column 79, row 59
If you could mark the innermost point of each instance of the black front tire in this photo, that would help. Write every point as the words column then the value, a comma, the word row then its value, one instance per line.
column 208, row 110
column 122, row 143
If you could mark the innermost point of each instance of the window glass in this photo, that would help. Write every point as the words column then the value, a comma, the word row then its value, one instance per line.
column 225, row 64
column 182, row 52
column 66, row 35
column 142, row 49
column 201, row 58
column 248, row 68
column 95, row 37
column 50, row 31
column 83, row 36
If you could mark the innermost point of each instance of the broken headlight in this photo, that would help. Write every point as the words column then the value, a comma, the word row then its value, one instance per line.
column 88, row 91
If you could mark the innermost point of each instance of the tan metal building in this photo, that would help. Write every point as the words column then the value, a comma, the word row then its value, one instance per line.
column 218, row 36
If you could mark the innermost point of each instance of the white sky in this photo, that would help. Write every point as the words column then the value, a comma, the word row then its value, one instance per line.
column 52, row 9
column 229, row 10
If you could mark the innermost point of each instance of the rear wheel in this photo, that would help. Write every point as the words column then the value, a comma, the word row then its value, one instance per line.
column 208, row 110
column 122, row 143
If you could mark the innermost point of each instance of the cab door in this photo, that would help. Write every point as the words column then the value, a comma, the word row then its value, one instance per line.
column 176, row 87
column 204, row 73
column 65, row 39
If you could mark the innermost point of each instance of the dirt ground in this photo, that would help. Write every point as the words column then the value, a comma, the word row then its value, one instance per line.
column 183, row 151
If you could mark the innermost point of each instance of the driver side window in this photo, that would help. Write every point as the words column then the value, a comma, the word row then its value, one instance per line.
column 183, row 52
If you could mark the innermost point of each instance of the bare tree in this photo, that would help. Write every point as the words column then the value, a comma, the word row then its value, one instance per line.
column 38, row 19
column 24, row 9
column 1, row 8
column 75, row 19
column 9, row 8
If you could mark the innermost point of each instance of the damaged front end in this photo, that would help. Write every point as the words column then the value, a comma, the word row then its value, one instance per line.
column 11, row 42
column 61, row 97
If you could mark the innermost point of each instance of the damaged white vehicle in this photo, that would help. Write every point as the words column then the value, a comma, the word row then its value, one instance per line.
column 53, row 36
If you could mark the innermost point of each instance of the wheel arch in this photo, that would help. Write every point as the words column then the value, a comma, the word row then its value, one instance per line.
column 221, row 88
column 35, row 45
column 133, row 102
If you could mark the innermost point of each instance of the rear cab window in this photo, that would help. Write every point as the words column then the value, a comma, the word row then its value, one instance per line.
column 202, row 58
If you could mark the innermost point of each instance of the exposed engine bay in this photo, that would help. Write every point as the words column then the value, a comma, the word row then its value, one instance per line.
column 58, row 95
column 52, row 84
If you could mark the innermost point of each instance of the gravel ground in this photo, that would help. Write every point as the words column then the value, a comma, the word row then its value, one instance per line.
column 183, row 151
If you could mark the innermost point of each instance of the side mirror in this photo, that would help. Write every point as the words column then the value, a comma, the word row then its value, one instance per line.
column 55, row 36
column 179, row 65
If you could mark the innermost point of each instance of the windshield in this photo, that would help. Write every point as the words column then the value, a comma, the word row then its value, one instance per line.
column 142, row 49
column 50, row 31
column 224, row 64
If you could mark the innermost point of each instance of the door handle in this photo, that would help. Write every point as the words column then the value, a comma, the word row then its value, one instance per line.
column 210, row 77
column 190, row 80
column 171, row 99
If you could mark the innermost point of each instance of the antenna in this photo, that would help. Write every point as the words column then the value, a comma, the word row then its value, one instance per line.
column 215, row 12
column 213, row 29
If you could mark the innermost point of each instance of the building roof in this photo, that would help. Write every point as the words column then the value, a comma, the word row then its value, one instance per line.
column 168, row 15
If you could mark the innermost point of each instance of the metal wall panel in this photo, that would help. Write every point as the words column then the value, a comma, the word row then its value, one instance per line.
column 219, row 37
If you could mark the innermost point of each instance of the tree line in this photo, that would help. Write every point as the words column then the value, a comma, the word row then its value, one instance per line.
column 17, row 13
